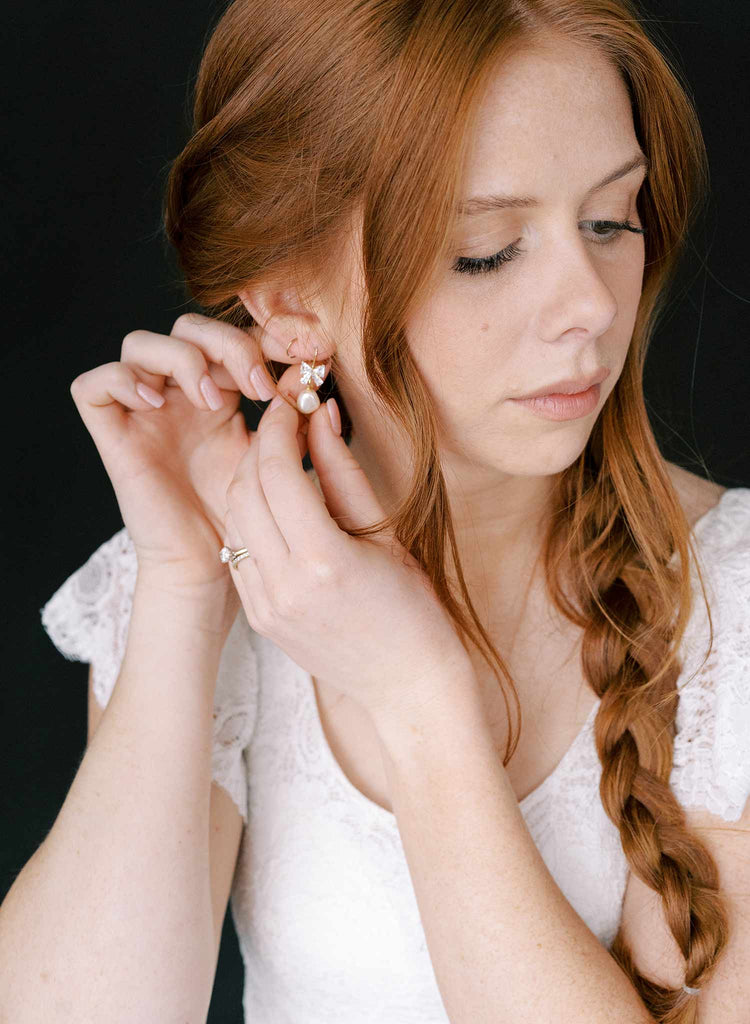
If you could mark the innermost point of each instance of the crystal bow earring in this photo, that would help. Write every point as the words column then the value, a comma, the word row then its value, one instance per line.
column 312, row 376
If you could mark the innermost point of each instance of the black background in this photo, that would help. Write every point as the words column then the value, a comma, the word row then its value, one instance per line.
column 96, row 107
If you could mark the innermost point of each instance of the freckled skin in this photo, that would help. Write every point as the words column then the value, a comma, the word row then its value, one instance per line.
column 556, row 119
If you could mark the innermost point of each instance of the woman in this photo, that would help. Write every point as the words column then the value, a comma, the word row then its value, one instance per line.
column 447, row 208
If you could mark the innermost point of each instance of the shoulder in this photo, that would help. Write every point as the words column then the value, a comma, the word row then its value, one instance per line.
column 711, row 759
column 719, row 518
column 697, row 495
column 87, row 617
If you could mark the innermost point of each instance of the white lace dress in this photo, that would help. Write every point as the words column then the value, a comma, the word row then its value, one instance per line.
column 322, row 900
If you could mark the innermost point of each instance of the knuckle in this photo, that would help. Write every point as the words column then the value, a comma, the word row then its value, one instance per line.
column 239, row 347
column 193, row 359
column 187, row 320
column 270, row 467
column 131, row 338
column 237, row 492
column 284, row 603
column 237, row 355
column 322, row 571
column 106, row 372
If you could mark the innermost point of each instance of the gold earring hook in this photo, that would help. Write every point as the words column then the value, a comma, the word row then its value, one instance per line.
column 293, row 341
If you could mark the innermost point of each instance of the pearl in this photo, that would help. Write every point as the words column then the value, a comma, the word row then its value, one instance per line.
column 307, row 402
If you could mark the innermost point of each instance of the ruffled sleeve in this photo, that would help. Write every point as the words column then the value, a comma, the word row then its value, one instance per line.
column 711, row 766
column 87, row 619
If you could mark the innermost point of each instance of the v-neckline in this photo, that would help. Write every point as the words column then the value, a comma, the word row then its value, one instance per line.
column 377, row 811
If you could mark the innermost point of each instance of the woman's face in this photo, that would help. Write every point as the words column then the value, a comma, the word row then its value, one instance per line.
column 556, row 122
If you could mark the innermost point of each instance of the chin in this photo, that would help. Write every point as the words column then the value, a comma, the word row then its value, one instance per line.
column 544, row 453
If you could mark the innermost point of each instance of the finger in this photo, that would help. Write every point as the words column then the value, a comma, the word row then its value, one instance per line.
column 226, row 382
column 348, row 493
column 230, row 347
column 103, row 396
column 294, row 502
column 237, row 353
column 245, row 577
column 256, row 527
column 163, row 356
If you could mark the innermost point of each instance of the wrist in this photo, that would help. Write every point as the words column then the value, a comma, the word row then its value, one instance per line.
column 209, row 608
column 450, row 698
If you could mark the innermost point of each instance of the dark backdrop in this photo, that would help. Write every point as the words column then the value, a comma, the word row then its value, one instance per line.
column 96, row 100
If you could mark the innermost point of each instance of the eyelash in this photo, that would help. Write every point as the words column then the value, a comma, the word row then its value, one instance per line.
column 486, row 264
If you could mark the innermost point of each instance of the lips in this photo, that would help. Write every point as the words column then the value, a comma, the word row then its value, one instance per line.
column 570, row 386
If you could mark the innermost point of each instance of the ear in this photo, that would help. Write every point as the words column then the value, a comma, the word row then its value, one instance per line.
column 281, row 318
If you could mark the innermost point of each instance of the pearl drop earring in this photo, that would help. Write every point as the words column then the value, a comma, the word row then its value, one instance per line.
column 312, row 376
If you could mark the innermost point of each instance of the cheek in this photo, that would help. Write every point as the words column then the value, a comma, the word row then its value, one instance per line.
column 447, row 337
column 464, row 325
column 454, row 347
column 624, row 277
column 626, row 285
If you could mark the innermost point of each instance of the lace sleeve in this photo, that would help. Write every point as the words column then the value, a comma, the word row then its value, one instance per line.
column 711, row 767
column 87, row 620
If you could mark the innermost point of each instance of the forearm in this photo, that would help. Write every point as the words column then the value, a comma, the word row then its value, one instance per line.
column 504, row 942
column 111, row 918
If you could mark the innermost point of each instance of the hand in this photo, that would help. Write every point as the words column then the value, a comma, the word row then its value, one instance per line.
column 170, row 466
column 357, row 612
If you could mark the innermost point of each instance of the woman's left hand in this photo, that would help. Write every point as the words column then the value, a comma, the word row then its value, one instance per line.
column 358, row 613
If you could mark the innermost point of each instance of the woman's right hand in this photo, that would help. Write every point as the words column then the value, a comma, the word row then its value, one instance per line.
column 170, row 466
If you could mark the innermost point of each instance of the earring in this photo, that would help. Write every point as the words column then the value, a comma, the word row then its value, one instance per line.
column 312, row 376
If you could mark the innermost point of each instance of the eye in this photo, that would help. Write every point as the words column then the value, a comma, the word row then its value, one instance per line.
column 605, row 232
column 612, row 229
column 483, row 265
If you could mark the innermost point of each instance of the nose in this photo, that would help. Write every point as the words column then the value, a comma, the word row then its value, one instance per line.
column 576, row 296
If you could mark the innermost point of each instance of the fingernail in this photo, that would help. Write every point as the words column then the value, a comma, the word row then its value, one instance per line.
column 149, row 395
column 211, row 393
column 277, row 401
column 334, row 415
column 261, row 383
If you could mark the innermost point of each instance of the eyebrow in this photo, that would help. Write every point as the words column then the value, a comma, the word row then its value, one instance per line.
column 483, row 204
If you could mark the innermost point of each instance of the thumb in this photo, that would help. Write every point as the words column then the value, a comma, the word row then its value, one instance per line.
column 348, row 494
